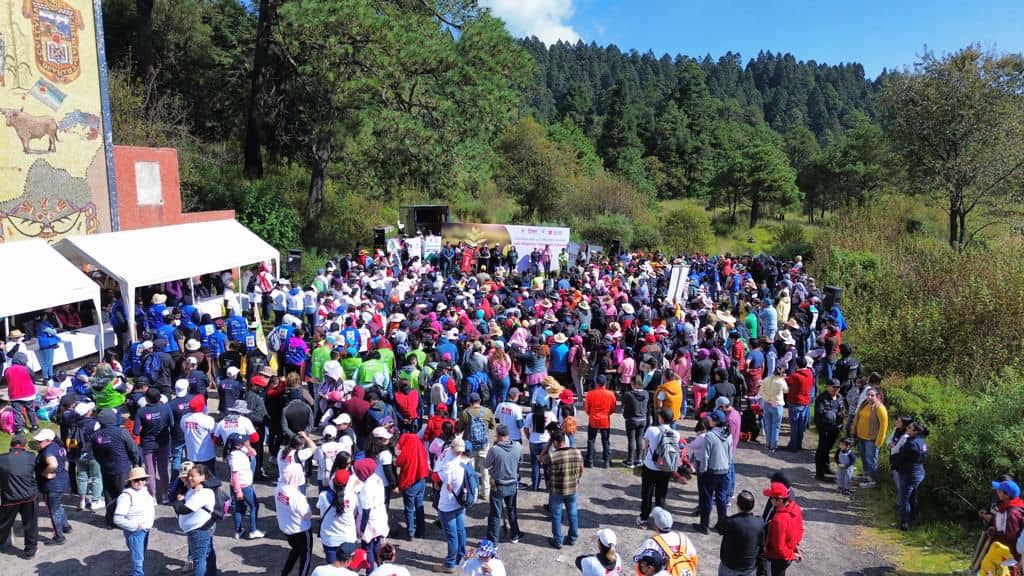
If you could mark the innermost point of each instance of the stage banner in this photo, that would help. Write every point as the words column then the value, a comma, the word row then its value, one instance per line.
column 431, row 246
column 524, row 238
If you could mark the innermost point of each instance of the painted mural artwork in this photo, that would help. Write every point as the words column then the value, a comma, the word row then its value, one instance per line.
column 53, row 173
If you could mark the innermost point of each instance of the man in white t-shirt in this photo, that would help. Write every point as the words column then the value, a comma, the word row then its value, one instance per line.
column 198, row 429
column 236, row 422
column 510, row 413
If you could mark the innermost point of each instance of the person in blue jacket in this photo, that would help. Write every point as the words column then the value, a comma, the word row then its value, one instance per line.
column 119, row 322
column 169, row 331
column 155, row 311
column 236, row 327
column 48, row 340
column 189, row 314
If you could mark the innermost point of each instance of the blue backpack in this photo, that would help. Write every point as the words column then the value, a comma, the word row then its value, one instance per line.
column 467, row 494
column 151, row 367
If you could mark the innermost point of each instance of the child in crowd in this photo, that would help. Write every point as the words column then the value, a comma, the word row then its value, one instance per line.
column 845, row 458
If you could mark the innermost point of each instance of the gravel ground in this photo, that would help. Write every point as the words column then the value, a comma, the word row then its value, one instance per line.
column 832, row 546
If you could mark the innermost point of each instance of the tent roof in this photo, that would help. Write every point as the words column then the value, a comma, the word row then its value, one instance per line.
column 38, row 277
column 153, row 255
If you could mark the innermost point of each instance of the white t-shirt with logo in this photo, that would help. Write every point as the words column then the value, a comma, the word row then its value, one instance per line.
column 198, row 429
column 228, row 426
column 509, row 413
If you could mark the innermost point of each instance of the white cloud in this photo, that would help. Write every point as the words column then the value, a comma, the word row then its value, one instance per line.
column 545, row 19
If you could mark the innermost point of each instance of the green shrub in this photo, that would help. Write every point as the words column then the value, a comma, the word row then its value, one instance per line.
column 646, row 237
column 723, row 224
column 974, row 438
column 790, row 240
column 265, row 213
column 687, row 229
column 604, row 228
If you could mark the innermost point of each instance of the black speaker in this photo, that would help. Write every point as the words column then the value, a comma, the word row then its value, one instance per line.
column 293, row 265
column 615, row 249
column 379, row 238
column 833, row 296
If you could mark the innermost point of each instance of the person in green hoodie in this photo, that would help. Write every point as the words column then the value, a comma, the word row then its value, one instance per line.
column 320, row 355
column 108, row 388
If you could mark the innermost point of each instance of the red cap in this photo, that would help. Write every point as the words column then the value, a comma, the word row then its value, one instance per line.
column 197, row 404
column 341, row 477
column 442, row 407
column 567, row 397
column 777, row 490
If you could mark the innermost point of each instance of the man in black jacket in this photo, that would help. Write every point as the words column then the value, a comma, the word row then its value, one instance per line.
column 18, row 493
column 742, row 539
column 829, row 414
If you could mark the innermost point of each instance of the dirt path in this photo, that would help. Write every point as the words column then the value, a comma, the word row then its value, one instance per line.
column 608, row 498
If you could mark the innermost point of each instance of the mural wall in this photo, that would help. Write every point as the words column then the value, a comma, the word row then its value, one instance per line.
column 53, row 171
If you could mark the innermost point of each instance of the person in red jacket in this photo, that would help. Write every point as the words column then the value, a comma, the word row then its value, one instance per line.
column 784, row 531
column 413, row 470
column 21, row 390
column 1006, row 518
column 599, row 404
column 798, row 399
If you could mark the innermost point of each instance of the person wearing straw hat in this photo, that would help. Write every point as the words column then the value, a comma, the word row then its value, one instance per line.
column 134, row 513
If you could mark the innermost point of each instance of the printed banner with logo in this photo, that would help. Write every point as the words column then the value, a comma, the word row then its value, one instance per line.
column 524, row 238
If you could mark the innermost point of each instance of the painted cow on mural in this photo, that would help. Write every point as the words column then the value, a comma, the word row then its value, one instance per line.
column 29, row 127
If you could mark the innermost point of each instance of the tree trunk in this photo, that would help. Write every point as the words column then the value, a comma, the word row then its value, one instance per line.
column 144, row 45
column 755, row 211
column 276, row 145
column 254, row 120
column 317, row 180
column 963, row 230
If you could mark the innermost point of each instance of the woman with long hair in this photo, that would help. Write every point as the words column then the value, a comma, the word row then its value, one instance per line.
column 606, row 562
column 499, row 364
column 540, row 417
column 337, row 506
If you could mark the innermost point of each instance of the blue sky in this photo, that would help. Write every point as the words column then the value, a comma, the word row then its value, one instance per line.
column 875, row 33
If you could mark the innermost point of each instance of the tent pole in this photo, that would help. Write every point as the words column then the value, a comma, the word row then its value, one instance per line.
column 128, row 296
column 101, row 344
column 192, row 288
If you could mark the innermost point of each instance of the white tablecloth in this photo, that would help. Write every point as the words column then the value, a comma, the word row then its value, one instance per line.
column 74, row 345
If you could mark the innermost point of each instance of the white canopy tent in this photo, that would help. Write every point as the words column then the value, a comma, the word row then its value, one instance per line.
column 39, row 278
column 149, row 256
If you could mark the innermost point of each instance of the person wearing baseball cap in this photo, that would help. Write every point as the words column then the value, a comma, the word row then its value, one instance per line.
column 829, row 416
column 784, row 530
column 452, row 514
column 134, row 513
column 650, row 563
column 606, row 561
column 502, row 463
column 1007, row 513
column 52, row 473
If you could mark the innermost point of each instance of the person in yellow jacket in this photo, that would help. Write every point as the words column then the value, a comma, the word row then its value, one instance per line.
column 670, row 395
column 870, row 426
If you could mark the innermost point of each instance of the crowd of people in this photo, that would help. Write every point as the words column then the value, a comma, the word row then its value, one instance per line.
column 450, row 385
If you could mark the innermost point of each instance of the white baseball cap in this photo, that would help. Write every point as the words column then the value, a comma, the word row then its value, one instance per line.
column 180, row 388
column 607, row 537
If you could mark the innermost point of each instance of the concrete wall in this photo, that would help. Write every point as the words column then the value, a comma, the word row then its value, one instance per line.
column 149, row 189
